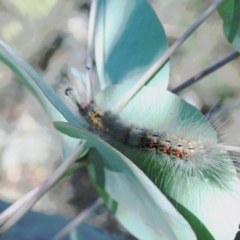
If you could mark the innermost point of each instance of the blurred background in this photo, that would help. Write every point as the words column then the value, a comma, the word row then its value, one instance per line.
column 52, row 36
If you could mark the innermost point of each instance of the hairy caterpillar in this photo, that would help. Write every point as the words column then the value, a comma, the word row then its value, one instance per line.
column 109, row 125
column 182, row 156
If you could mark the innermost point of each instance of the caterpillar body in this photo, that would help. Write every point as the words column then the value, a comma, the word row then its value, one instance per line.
column 181, row 156
column 191, row 153
column 108, row 123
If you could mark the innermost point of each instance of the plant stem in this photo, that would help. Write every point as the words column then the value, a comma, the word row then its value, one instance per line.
column 33, row 81
column 78, row 220
column 14, row 213
column 205, row 72
column 224, row 109
column 6, row 214
column 91, row 30
column 228, row 147
column 157, row 65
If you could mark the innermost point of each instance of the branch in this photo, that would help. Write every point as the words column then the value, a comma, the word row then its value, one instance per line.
column 157, row 65
column 91, row 30
column 16, row 211
column 205, row 72
column 78, row 220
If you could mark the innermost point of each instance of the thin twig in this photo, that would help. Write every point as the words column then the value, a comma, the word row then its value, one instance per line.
column 205, row 72
column 6, row 214
column 229, row 148
column 78, row 220
column 30, row 78
column 37, row 193
column 91, row 30
column 224, row 109
column 157, row 65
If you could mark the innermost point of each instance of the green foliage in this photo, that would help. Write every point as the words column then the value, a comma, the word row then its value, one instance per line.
column 119, row 180
column 168, row 112
column 47, row 97
column 129, row 38
column 127, row 43
column 229, row 11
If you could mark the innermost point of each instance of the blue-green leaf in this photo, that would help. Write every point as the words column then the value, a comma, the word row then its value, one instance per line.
column 201, row 202
column 135, row 196
column 129, row 38
column 50, row 101
column 229, row 11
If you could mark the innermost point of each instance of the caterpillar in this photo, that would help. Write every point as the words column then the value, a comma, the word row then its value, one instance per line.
column 109, row 123
column 175, row 147
column 181, row 156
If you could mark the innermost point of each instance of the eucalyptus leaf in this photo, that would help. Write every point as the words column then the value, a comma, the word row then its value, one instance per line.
column 40, row 226
column 135, row 196
column 202, row 203
column 229, row 11
column 50, row 101
column 128, row 39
